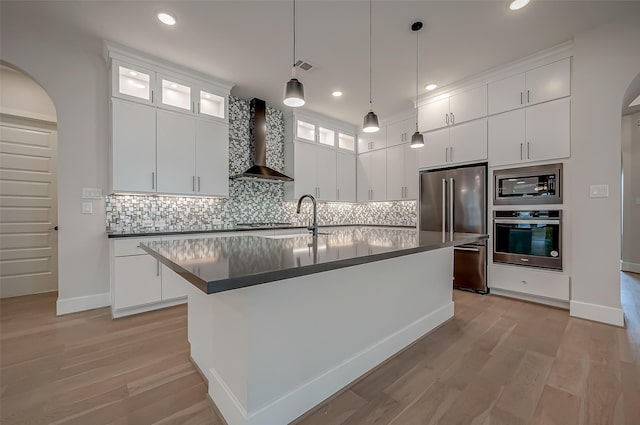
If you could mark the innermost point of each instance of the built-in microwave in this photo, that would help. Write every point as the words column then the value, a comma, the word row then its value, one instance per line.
column 540, row 184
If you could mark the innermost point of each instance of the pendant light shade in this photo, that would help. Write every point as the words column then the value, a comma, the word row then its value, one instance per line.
column 417, row 139
column 293, row 89
column 370, row 122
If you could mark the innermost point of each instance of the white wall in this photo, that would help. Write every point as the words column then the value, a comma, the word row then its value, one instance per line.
column 21, row 96
column 74, row 74
column 606, row 60
column 631, row 199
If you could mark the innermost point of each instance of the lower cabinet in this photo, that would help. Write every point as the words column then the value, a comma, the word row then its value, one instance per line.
column 173, row 285
column 528, row 281
column 137, row 281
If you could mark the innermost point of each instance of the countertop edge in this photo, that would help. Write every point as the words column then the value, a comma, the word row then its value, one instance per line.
column 276, row 275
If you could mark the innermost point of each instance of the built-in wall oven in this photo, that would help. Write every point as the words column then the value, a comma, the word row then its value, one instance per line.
column 528, row 238
column 528, row 185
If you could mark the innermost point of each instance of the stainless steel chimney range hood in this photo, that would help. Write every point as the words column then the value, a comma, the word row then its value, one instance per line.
column 258, row 130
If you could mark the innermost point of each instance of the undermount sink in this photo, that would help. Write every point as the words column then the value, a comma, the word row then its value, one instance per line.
column 291, row 235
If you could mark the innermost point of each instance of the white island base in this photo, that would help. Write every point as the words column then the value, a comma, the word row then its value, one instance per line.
column 271, row 352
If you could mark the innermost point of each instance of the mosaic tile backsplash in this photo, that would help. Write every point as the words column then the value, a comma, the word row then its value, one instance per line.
column 249, row 201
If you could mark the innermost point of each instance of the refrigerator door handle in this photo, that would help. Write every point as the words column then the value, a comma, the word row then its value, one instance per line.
column 451, row 209
column 444, row 210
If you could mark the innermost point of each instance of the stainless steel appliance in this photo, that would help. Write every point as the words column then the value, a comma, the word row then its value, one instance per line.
column 528, row 238
column 455, row 200
column 528, row 185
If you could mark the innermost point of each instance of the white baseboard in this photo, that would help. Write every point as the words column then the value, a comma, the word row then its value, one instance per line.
column 147, row 307
column 89, row 302
column 630, row 267
column 531, row 298
column 297, row 402
column 598, row 313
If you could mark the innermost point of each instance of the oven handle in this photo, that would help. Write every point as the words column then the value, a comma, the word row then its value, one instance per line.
column 461, row 248
column 507, row 221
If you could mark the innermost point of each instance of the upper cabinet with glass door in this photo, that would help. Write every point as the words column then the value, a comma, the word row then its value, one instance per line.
column 184, row 96
column 132, row 82
column 311, row 127
column 175, row 95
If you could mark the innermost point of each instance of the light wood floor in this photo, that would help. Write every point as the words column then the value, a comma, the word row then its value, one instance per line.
column 499, row 361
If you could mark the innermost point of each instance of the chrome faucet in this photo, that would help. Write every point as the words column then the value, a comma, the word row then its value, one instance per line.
column 314, row 226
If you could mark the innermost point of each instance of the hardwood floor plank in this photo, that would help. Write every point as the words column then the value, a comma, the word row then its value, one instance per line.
column 336, row 411
column 557, row 407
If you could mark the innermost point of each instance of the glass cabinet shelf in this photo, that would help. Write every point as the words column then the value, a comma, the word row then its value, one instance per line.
column 134, row 83
column 176, row 95
column 211, row 104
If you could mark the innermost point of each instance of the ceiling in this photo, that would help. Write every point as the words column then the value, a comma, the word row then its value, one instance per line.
column 249, row 43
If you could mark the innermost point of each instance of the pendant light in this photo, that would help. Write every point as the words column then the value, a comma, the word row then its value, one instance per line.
column 294, row 90
column 417, row 139
column 370, row 124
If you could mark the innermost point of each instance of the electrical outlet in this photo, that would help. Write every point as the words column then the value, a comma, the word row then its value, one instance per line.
column 87, row 208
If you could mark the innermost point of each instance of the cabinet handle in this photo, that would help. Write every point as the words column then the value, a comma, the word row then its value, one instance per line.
column 318, row 192
column 453, row 119
column 151, row 96
column 451, row 154
column 198, row 107
column 528, row 151
column 528, row 97
column 521, row 98
column 193, row 107
column 337, row 194
column 520, row 151
column 446, row 118
column 157, row 268
column 193, row 183
column 198, row 183
column 446, row 154
column 153, row 180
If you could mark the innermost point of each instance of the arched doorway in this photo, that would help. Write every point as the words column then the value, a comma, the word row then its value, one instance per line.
column 28, row 186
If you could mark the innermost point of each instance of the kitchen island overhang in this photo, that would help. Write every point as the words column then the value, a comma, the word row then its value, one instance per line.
column 272, row 351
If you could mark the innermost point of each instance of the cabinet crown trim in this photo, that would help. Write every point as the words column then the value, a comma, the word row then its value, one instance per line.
column 119, row 52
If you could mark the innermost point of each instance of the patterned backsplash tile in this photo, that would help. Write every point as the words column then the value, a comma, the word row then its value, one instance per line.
column 249, row 201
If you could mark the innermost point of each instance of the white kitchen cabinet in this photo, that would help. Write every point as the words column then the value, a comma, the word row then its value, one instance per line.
column 347, row 142
column 372, row 141
column 400, row 132
column 193, row 98
column 463, row 106
column 314, row 171
column 176, row 153
column 133, row 145
column 209, row 104
column 455, row 145
column 372, row 176
column 402, row 173
column 175, row 94
column 346, row 177
column 305, row 131
column 536, row 133
column 212, row 158
column 137, row 281
column 193, row 155
column 540, row 283
column 173, row 285
column 132, row 82
column 326, row 136
column 541, row 84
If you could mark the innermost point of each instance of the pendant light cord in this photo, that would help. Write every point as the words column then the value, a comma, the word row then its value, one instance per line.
column 417, row 62
column 293, row 68
column 370, row 14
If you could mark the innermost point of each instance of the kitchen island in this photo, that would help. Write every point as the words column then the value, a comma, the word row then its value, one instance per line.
column 279, row 323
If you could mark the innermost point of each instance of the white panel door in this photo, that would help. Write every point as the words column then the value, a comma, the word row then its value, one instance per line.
column 548, row 134
column 28, row 209
column 400, row 132
column 435, row 150
column 468, row 142
column 212, row 158
column 176, row 153
column 433, row 115
column 134, row 147
column 136, row 281
column 506, row 138
column 549, row 82
column 507, row 94
column 364, row 177
column 379, row 175
column 305, row 169
column 468, row 105
column 395, row 173
column 411, row 172
column 173, row 285
column 326, row 174
column 346, row 177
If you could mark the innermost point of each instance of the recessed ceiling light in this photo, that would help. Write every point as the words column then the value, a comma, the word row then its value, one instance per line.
column 207, row 95
column 166, row 19
column 518, row 4
column 133, row 73
column 430, row 87
column 174, row 86
column 140, row 86
column 336, row 93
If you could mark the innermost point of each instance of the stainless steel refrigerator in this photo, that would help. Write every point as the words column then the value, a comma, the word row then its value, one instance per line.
column 455, row 200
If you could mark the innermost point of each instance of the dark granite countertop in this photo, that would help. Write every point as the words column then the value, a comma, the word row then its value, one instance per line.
column 114, row 234
column 216, row 264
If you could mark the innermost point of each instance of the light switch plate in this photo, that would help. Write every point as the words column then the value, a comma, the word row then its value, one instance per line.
column 87, row 208
column 599, row 191
column 91, row 193
column 147, row 223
